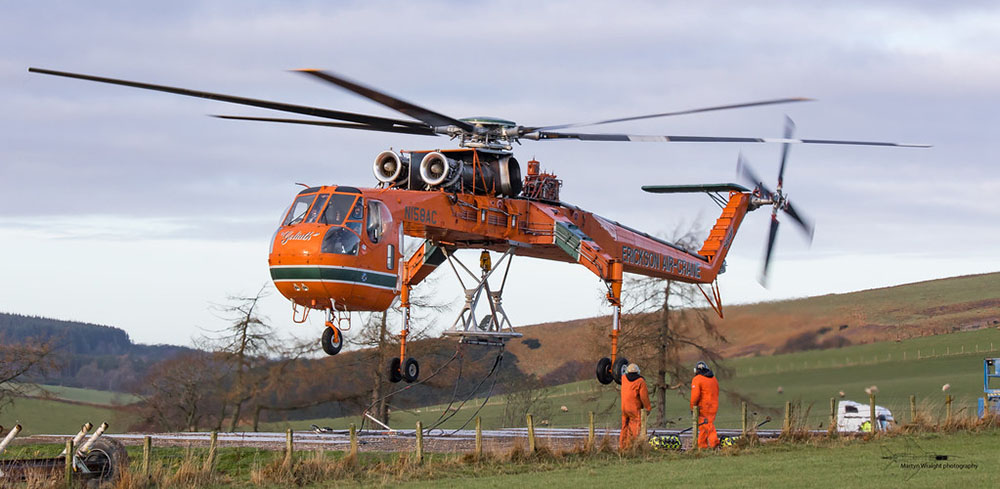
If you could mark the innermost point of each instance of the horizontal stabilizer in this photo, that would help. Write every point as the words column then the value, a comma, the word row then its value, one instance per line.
column 686, row 189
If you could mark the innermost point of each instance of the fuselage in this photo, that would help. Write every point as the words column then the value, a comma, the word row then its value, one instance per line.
column 339, row 247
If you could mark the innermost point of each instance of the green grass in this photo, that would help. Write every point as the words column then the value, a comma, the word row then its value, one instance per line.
column 807, row 378
column 42, row 416
column 813, row 463
column 782, row 465
column 90, row 396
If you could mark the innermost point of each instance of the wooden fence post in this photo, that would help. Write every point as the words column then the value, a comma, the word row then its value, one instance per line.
column 871, row 413
column 354, row 441
column 70, row 453
column 694, row 428
column 786, row 427
column 743, row 412
column 913, row 409
column 947, row 405
column 289, row 447
column 643, row 421
column 479, row 437
column 210, row 461
column 590, row 432
column 420, row 442
column 531, row 435
column 147, row 453
column 833, row 417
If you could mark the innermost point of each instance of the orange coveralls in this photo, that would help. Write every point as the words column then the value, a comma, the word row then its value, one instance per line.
column 705, row 395
column 635, row 396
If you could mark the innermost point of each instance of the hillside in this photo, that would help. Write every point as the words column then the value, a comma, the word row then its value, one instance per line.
column 891, row 313
column 90, row 355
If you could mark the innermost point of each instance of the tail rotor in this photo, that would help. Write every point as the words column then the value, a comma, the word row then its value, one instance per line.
column 762, row 196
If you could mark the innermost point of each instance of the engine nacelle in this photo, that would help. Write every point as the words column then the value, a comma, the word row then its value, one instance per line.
column 391, row 168
column 438, row 170
column 500, row 176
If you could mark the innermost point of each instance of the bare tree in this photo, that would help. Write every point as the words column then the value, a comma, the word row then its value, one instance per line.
column 531, row 398
column 19, row 363
column 181, row 393
column 381, row 345
column 673, row 313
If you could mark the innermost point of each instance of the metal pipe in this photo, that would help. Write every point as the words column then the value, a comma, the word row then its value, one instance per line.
column 90, row 441
column 10, row 437
column 79, row 436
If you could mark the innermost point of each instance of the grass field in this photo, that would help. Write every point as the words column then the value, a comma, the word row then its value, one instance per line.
column 896, row 461
column 89, row 396
column 44, row 416
column 918, row 366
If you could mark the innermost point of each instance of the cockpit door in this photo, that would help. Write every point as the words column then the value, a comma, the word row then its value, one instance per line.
column 382, row 233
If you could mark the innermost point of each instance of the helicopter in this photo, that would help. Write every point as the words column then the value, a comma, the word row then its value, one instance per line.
column 340, row 249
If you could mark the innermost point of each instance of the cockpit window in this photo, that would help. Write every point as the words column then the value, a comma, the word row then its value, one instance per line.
column 338, row 209
column 340, row 240
column 378, row 218
column 317, row 207
column 298, row 210
column 358, row 212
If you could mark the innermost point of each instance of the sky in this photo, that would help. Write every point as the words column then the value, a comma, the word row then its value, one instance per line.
column 133, row 209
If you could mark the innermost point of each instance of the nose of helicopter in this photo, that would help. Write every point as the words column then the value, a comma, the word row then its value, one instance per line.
column 312, row 268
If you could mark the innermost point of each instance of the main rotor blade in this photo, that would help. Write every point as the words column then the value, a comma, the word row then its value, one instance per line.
column 266, row 104
column 769, row 250
column 426, row 115
column 668, row 114
column 542, row 135
column 346, row 125
column 806, row 224
column 789, row 130
column 744, row 171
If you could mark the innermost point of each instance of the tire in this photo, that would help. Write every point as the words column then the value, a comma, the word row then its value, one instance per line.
column 108, row 458
column 411, row 370
column 604, row 371
column 618, row 369
column 329, row 345
column 394, row 374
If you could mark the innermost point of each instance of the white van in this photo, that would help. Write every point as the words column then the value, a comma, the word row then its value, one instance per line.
column 855, row 416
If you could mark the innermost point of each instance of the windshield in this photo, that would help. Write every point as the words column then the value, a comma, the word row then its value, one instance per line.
column 317, row 207
column 337, row 209
column 298, row 210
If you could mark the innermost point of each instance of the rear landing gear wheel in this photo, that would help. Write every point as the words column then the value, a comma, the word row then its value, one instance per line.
column 604, row 370
column 411, row 370
column 618, row 369
column 394, row 374
column 332, row 340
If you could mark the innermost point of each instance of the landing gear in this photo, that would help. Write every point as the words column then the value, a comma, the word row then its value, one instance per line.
column 411, row 370
column 604, row 371
column 394, row 373
column 333, row 336
column 608, row 371
column 332, row 340
column 618, row 368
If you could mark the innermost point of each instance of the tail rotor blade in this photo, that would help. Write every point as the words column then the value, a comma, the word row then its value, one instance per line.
column 807, row 225
column 789, row 131
column 744, row 171
column 770, row 249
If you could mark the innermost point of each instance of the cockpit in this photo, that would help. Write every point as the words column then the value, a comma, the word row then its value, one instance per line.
column 342, row 208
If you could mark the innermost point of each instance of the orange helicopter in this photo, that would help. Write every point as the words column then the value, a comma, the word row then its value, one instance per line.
column 339, row 249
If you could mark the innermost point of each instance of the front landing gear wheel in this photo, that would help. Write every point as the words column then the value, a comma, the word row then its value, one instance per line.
column 604, row 370
column 394, row 374
column 411, row 370
column 618, row 369
column 332, row 340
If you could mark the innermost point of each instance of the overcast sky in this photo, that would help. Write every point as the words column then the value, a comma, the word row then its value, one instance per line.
column 132, row 208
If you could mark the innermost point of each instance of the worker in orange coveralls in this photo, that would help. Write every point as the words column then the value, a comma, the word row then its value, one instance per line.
column 705, row 395
column 635, row 397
